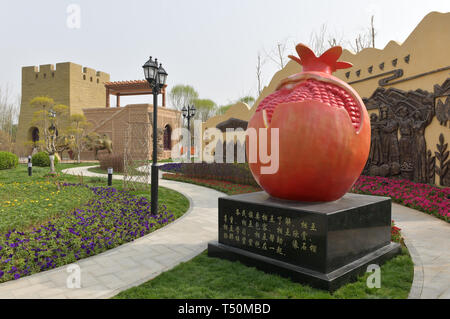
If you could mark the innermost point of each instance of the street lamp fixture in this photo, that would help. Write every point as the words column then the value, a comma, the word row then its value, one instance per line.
column 156, row 76
column 51, row 145
column 52, row 115
column 188, row 113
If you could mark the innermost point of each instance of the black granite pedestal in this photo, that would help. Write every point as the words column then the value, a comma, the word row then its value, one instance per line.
column 324, row 245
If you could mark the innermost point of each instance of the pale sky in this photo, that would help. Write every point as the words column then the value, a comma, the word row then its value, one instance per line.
column 209, row 44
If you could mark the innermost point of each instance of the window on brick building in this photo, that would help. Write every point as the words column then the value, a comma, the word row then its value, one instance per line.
column 167, row 137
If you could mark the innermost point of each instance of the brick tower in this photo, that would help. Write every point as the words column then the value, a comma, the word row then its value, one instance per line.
column 69, row 83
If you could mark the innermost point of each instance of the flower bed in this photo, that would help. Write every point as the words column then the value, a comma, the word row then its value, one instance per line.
column 112, row 218
column 427, row 198
column 171, row 167
column 396, row 235
column 23, row 204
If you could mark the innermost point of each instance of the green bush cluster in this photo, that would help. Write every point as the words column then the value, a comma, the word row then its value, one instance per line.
column 238, row 173
column 42, row 159
column 8, row 160
column 112, row 160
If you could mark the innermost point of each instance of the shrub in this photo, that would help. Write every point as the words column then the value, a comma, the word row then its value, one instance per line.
column 42, row 159
column 8, row 160
column 427, row 198
column 238, row 173
column 112, row 160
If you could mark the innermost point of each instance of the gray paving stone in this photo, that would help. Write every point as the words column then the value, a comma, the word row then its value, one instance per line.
column 107, row 274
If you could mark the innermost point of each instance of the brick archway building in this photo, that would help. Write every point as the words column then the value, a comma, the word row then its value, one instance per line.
column 114, row 121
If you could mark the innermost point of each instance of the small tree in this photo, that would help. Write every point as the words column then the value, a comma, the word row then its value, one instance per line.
column 78, row 132
column 205, row 108
column 41, row 117
column 222, row 109
column 182, row 95
column 49, row 125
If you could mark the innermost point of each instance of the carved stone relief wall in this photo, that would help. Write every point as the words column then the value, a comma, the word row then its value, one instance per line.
column 398, row 146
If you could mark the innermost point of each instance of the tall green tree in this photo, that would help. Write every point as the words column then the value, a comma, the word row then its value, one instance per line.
column 9, row 112
column 205, row 109
column 249, row 100
column 78, row 131
column 182, row 95
column 222, row 109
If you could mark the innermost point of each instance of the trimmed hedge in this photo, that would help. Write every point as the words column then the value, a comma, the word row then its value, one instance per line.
column 238, row 173
column 116, row 161
column 42, row 159
column 8, row 160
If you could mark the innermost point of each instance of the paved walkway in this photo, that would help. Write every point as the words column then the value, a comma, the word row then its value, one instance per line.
column 428, row 241
column 106, row 274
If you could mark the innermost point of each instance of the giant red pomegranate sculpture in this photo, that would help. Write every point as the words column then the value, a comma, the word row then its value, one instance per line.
column 324, row 131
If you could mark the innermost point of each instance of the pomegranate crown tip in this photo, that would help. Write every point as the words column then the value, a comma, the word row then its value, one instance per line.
column 327, row 62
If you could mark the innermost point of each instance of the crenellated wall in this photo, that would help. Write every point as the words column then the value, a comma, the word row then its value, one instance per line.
column 68, row 83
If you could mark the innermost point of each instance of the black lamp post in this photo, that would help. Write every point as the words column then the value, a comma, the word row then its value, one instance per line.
column 156, row 77
column 188, row 113
column 51, row 146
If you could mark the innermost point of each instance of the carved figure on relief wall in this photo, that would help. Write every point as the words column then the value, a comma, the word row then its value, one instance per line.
column 376, row 150
column 418, row 128
column 406, row 138
column 390, row 139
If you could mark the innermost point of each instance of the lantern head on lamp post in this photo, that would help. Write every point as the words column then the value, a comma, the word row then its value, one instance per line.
column 156, row 76
column 51, row 147
column 188, row 113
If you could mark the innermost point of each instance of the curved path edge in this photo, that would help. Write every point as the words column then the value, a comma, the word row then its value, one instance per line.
column 428, row 242
column 106, row 274
column 133, row 263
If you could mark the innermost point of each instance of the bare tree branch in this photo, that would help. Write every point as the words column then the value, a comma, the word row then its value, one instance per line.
column 259, row 65
column 365, row 39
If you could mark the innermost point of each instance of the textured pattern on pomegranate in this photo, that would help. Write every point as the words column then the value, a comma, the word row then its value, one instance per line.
column 311, row 89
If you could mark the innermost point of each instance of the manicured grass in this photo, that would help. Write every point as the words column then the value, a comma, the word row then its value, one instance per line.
column 26, row 201
column 206, row 277
column 58, row 221
column 98, row 170
column 29, row 195
column 26, row 204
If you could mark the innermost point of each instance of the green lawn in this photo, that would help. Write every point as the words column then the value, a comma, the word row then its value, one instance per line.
column 206, row 277
column 27, row 201
column 60, row 235
column 98, row 170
